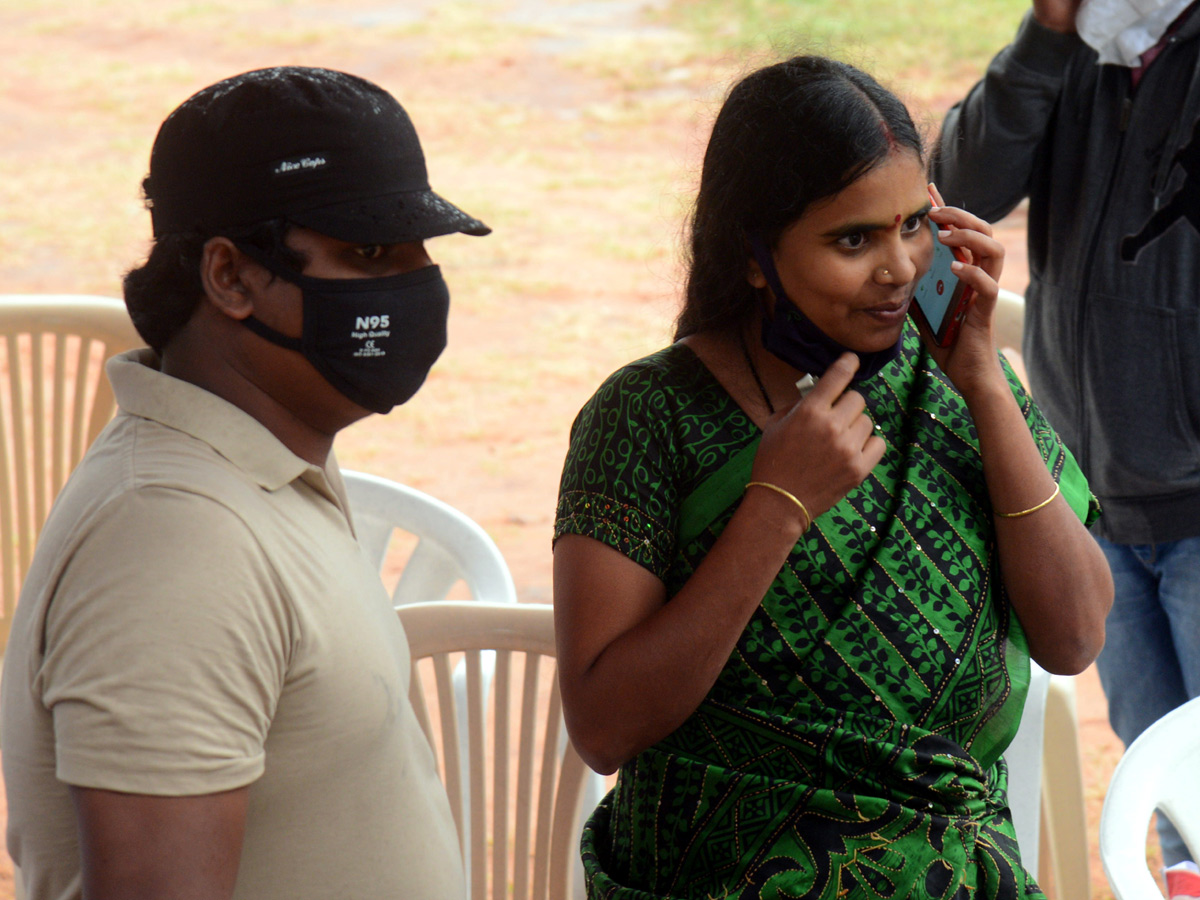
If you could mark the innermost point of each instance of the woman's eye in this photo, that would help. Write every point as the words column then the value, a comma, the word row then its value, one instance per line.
column 853, row 241
column 370, row 251
column 912, row 224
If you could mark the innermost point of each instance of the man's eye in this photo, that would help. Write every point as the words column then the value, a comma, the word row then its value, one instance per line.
column 370, row 251
column 853, row 241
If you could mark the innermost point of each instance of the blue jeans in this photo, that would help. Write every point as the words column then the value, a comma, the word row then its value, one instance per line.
column 1150, row 663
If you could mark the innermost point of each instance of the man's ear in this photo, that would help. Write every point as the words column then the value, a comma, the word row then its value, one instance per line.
column 229, row 277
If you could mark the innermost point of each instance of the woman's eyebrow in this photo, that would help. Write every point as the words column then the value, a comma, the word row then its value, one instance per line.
column 860, row 227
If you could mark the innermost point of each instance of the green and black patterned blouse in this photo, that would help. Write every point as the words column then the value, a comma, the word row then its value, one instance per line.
column 851, row 745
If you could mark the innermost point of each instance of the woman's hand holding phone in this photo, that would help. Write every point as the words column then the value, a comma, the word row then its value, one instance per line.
column 941, row 298
column 971, row 361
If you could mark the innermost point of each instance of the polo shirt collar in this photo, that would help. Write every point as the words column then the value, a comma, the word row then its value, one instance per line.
column 143, row 390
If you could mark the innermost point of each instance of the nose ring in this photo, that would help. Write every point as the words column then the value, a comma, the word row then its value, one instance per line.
column 884, row 272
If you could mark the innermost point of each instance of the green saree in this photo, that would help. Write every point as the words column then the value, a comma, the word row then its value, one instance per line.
column 851, row 745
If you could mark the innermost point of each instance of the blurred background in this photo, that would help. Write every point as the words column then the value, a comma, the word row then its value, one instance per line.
column 574, row 129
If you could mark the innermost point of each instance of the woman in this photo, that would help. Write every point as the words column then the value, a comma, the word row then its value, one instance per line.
column 790, row 621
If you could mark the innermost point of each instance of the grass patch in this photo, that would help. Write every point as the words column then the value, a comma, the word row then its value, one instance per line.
column 891, row 38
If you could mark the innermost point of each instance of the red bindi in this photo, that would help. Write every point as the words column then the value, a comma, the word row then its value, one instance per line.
column 897, row 219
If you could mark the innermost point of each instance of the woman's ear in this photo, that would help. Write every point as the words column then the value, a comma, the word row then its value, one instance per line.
column 754, row 274
column 228, row 276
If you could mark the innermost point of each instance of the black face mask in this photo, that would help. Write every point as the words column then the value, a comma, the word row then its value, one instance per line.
column 373, row 339
column 792, row 336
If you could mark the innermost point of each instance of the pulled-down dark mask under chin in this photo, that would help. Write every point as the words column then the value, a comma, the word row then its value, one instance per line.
column 792, row 336
column 373, row 339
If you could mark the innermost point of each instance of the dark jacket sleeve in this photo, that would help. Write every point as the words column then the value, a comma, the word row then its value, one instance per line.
column 989, row 141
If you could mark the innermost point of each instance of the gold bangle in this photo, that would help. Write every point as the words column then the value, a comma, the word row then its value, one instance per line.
column 1031, row 509
column 777, row 489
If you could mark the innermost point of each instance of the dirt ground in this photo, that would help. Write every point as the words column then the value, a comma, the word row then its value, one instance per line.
column 573, row 128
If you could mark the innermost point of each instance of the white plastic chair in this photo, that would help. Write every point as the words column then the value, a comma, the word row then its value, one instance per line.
column 1064, row 845
column 532, row 838
column 1160, row 770
column 1024, row 758
column 1045, row 787
column 1010, row 319
column 54, row 400
column 450, row 545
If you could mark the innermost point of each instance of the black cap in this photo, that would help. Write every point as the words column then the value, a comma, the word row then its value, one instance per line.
column 322, row 149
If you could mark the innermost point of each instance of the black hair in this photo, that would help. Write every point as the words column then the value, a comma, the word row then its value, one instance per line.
column 163, row 293
column 787, row 136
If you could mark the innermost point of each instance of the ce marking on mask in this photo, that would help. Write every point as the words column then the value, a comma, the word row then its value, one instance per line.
column 368, row 329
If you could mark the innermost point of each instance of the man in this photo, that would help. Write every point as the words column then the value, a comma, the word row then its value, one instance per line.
column 1092, row 113
column 206, row 689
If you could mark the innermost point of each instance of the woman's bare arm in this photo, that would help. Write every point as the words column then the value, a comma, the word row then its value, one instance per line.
column 633, row 667
column 1057, row 578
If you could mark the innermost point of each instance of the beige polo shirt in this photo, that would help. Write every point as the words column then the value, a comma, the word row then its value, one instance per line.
column 199, row 617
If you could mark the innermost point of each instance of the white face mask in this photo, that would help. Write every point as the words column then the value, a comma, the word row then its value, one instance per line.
column 1122, row 30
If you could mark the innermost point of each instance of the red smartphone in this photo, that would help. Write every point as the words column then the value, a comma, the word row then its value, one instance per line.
column 940, row 300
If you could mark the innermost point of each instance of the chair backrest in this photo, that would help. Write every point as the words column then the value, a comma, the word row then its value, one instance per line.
column 450, row 545
column 54, row 400
column 1045, row 787
column 1024, row 758
column 1064, row 853
column 1010, row 319
column 1161, row 769
column 525, row 786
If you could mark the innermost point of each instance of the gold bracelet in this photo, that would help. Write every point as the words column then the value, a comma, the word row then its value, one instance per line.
column 777, row 489
column 1031, row 509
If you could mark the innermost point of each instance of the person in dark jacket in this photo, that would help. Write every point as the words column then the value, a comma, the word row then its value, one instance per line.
column 1093, row 114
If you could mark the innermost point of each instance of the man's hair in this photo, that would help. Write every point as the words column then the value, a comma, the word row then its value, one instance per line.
column 787, row 136
column 163, row 293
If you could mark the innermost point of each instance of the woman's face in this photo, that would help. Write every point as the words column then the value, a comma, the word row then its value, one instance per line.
column 852, row 261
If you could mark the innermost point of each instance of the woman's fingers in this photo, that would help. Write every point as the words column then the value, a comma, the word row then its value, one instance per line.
column 834, row 382
column 971, row 235
column 985, row 251
column 832, row 390
column 860, row 431
column 960, row 218
column 823, row 446
column 873, row 451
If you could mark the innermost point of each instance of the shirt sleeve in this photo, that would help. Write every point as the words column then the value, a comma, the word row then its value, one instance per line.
column 618, row 485
column 166, row 648
column 990, row 140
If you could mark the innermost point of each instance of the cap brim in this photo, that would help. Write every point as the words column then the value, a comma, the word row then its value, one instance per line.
column 391, row 219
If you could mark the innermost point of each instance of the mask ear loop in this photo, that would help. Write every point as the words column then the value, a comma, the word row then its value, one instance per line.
column 273, row 265
column 869, row 363
column 278, row 269
column 766, row 264
column 275, row 337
